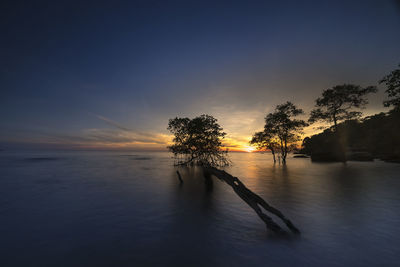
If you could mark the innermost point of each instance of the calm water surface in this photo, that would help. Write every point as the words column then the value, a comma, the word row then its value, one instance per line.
column 128, row 209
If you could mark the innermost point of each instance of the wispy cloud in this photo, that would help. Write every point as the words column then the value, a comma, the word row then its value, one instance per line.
column 112, row 123
column 128, row 137
column 91, row 138
column 117, row 137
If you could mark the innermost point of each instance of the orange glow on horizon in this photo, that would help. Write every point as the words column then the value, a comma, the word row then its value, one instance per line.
column 156, row 142
column 249, row 149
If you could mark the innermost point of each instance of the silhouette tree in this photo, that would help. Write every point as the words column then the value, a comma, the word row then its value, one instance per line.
column 266, row 141
column 336, row 103
column 198, row 141
column 282, row 127
column 392, row 82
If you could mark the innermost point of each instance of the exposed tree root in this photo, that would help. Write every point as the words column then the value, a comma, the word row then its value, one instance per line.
column 254, row 201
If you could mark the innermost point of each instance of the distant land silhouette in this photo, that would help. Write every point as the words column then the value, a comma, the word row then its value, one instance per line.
column 375, row 136
column 372, row 137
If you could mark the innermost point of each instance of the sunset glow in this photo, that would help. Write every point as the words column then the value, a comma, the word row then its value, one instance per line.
column 200, row 133
column 124, row 99
column 249, row 149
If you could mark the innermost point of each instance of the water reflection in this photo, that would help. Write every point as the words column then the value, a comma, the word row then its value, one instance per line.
column 101, row 208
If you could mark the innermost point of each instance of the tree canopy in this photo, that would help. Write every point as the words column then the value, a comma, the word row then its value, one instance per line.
column 198, row 141
column 338, row 102
column 265, row 140
column 392, row 82
column 281, row 129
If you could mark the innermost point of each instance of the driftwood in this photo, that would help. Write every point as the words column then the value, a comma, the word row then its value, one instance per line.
column 253, row 200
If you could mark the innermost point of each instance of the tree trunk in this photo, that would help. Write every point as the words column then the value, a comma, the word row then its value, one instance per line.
column 285, row 152
column 340, row 141
column 282, row 152
column 335, row 121
column 254, row 201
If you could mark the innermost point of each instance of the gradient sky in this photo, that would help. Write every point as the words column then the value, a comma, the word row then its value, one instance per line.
column 110, row 74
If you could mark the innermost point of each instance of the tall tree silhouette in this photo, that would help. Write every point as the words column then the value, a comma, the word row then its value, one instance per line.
column 198, row 141
column 280, row 125
column 338, row 103
column 392, row 82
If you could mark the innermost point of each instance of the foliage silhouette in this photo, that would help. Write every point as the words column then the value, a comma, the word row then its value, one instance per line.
column 266, row 141
column 338, row 102
column 280, row 127
column 198, row 141
column 392, row 82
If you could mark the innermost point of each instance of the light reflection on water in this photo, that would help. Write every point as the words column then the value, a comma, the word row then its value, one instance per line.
column 125, row 209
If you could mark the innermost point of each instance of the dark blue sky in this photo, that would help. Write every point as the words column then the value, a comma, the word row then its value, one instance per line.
column 103, row 74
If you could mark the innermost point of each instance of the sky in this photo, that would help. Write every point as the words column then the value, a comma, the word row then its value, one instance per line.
column 109, row 74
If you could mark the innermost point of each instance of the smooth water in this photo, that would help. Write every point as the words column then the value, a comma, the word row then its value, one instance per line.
column 129, row 209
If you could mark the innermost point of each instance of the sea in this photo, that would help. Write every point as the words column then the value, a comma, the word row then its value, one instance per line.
column 123, row 208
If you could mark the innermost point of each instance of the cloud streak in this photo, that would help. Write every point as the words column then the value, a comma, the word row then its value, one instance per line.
column 112, row 123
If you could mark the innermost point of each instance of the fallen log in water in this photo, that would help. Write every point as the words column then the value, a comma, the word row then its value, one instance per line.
column 253, row 200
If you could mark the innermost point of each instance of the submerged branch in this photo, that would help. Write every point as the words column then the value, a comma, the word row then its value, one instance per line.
column 254, row 201
column 179, row 177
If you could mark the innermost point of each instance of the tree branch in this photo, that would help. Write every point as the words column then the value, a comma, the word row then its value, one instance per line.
column 254, row 201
